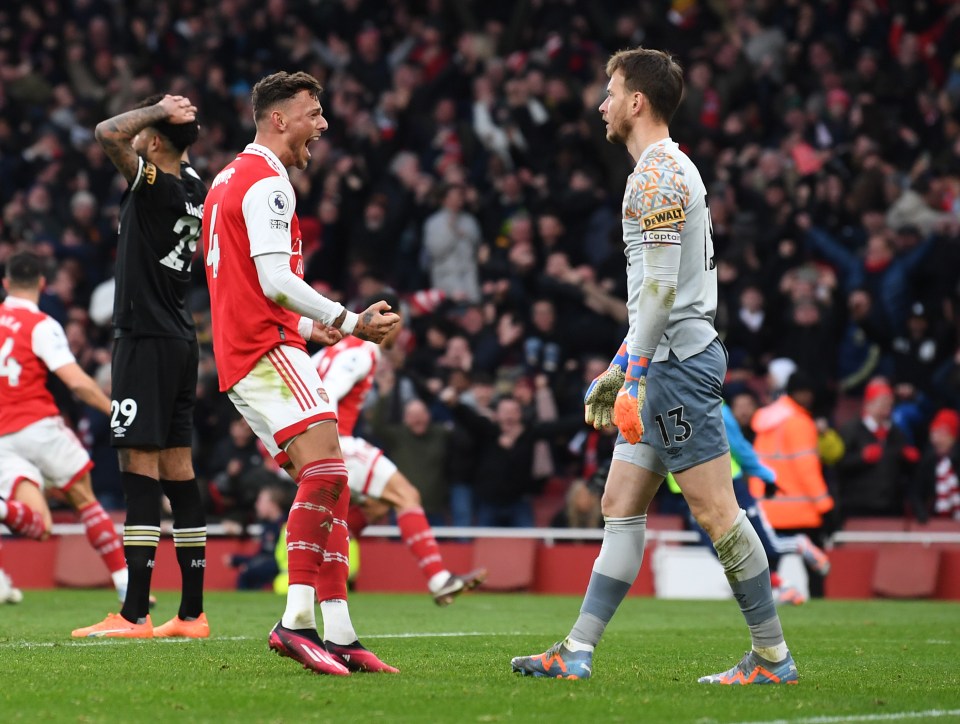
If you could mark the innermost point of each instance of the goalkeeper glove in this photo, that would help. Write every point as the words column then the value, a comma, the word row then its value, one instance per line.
column 630, row 399
column 602, row 392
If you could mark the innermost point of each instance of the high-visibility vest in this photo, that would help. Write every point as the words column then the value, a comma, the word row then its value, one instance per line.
column 281, row 581
column 786, row 441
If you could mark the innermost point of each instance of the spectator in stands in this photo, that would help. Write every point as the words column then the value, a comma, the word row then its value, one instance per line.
column 582, row 505
column 235, row 472
column 882, row 271
column 419, row 447
column 799, row 114
column 543, row 348
column 936, row 485
column 744, row 406
column 946, row 384
column 537, row 405
column 259, row 570
column 505, row 483
column 920, row 349
column 862, row 343
column 786, row 442
column 873, row 472
column 451, row 240
column 751, row 333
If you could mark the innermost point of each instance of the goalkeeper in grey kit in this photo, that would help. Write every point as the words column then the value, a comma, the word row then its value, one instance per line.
column 663, row 388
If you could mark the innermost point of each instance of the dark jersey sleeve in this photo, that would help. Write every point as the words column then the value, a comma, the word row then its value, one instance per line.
column 169, row 211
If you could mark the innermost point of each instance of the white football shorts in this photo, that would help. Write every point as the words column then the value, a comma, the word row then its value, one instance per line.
column 282, row 397
column 368, row 469
column 46, row 453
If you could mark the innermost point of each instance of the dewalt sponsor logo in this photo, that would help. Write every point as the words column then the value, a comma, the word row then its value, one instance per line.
column 663, row 217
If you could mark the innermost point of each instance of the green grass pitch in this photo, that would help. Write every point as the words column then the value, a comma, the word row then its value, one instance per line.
column 859, row 661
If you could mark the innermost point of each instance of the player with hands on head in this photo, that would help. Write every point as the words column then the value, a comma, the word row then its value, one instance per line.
column 262, row 315
column 668, row 409
column 155, row 341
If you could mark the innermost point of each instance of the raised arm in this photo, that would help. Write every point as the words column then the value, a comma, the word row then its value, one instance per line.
column 116, row 134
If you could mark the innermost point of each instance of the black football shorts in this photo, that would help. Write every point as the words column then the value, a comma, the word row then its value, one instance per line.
column 154, row 382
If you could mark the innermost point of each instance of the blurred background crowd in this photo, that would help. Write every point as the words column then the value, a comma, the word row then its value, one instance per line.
column 466, row 168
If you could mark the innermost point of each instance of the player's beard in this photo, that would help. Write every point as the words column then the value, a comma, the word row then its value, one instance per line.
column 618, row 130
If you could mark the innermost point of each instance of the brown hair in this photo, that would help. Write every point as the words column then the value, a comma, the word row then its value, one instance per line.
column 279, row 87
column 651, row 72
column 24, row 270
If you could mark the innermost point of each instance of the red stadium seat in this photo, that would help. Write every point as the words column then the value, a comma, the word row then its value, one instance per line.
column 934, row 525
column 78, row 565
column 544, row 508
column 510, row 562
column 875, row 524
column 906, row 571
column 666, row 521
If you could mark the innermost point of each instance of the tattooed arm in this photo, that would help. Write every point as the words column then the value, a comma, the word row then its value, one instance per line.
column 373, row 324
column 116, row 134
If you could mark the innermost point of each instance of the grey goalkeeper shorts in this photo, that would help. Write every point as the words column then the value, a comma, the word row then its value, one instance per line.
column 682, row 422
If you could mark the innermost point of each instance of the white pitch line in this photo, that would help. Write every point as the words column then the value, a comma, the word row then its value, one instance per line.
column 893, row 716
column 120, row 641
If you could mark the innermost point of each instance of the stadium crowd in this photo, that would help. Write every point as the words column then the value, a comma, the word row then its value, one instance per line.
column 466, row 168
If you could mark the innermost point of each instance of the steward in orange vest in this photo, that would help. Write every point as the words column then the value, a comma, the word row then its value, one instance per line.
column 786, row 441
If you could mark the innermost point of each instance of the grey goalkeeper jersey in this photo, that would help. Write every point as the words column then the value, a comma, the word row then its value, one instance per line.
column 671, row 273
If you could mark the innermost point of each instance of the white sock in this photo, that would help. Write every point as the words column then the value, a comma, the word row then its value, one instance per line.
column 120, row 580
column 773, row 653
column 337, row 626
column 574, row 645
column 299, row 612
column 3, row 509
column 437, row 580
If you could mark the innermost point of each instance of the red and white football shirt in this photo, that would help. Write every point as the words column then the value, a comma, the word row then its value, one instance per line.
column 249, row 210
column 31, row 343
column 347, row 370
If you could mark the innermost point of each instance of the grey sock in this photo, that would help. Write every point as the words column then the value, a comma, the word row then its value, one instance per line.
column 614, row 571
column 745, row 563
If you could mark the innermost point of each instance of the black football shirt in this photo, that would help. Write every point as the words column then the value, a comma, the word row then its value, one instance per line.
column 160, row 224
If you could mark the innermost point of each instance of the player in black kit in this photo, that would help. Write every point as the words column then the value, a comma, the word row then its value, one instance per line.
column 155, row 357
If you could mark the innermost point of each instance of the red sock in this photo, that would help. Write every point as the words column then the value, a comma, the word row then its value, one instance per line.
column 417, row 534
column 311, row 518
column 103, row 536
column 24, row 520
column 332, row 577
